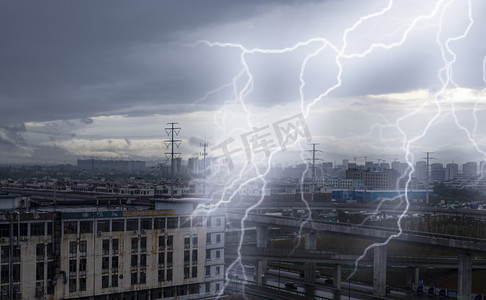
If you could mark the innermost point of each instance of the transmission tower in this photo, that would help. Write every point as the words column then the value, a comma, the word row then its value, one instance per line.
column 204, row 154
column 427, row 176
column 314, row 167
column 171, row 142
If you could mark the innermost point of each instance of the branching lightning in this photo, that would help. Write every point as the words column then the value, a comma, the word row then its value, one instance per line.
column 444, row 75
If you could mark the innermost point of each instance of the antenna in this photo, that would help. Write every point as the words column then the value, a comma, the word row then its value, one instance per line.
column 171, row 142
column 204, row 154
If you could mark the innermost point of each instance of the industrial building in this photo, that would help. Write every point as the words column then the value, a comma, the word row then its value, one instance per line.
column 108, row 252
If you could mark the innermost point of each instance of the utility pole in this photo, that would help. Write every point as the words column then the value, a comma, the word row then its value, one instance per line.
column 313, row 167
column 171, row 142
column 427, row 176
column 204, row 154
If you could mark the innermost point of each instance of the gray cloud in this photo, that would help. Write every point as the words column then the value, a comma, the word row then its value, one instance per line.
column 79, row 60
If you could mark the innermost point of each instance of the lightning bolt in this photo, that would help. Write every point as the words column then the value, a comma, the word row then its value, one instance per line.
column 341, row 53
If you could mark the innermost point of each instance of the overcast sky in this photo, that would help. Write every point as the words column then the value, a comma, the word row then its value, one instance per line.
column 102, row 78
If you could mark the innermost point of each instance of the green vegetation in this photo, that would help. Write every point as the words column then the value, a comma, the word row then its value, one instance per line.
column 441, row 192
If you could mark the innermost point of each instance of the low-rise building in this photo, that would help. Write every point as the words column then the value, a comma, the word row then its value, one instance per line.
column 111, row 253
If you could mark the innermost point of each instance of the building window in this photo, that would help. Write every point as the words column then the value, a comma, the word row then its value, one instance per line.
column 5, row 254
column 186, row 272
column 187, row 242
column 72, row 268
column 169, row 259
column 217, row 287
column 69, row 227
column 146, row 224
column 143, row 261
column 39, row 271
column 114, row 280
column 208, row 287
column 105, row 247
column 50, row 251
column 40, row 251
column 114, row 264
column 132, row 224
column 208, row 238
column 86, row 226
column 161, row 275
column 103, row 226
column 83, row 248
column 161, row 243
column 208, row 254
column 105, row 265
column 169, row 274
column 134, row 244
column 194, row 256
column 114, row 246
column 172, row 222
column 218, row 221
column 105, row 282
column 133, row 278
column 218, row 253
column 37, row 229
column 117, row 225
column 194, row 271
column 143, row 277
column 186, row 257
column 73, row 249
column 208, row 271
column 185, row 222
column 72, row 285
column 194, row 241
column 218, row 238
column 161, row 259
column 218, row 270
column 170, row 242
column 134, row 262
column 82, row 266
column 159, row 223
column 143, row 244
column 82, row 284
column 16, row 273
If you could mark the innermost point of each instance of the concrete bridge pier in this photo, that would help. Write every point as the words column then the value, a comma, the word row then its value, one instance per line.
column 379, row 271
column 310, row 291
column 413, row 274
column 262, row 236
column 261, row 267
column 310, row 267
column 337, row 277
column 464, row 276
column 311, row 240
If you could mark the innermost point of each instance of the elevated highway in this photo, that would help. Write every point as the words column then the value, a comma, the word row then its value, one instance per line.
column 464, row 246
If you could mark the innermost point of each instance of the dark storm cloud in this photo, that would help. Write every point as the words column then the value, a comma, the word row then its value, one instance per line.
column 63, row 59
column 86, row 120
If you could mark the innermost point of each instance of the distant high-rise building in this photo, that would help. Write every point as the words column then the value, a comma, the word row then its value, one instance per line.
column 470, row 168
column 118, row 165
column 345, row 163
column 192, row 165
column 421, row 170
column 400, row 167
column 437, row 172
column 452, row 170
column 384, row 165
column 482, row 168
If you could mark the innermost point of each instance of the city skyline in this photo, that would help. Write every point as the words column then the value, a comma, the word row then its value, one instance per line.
column 82, row 81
